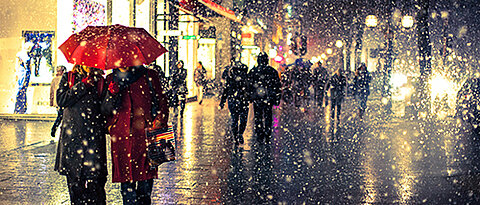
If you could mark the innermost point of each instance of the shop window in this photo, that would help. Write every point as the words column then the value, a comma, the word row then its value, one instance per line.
column 41, row 53
column 88, row 13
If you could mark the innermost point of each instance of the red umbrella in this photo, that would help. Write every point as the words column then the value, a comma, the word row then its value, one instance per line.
column 114, row 46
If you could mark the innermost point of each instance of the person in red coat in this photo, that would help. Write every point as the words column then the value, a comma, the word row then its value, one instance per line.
column 128, row 107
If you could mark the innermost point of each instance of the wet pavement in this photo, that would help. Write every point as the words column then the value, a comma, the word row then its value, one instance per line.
column 377, row 160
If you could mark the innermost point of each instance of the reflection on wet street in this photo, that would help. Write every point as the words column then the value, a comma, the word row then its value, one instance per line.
column 375, row 161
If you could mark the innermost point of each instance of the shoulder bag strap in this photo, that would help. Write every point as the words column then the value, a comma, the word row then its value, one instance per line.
column 71, row 79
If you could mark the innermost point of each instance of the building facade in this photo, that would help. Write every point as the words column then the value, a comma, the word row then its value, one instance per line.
column 183, row 30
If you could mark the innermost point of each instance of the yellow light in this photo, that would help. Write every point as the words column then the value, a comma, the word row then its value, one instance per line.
column 371, row 21
column 407, row 21
column 272, row 53
column 339, row 43
column 323, row 56
column 329, row 51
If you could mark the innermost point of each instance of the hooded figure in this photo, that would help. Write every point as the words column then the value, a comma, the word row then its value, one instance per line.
column 265, row 92
column 236, row 91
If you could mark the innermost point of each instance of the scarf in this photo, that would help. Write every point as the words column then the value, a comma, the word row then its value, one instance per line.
column 124, row 79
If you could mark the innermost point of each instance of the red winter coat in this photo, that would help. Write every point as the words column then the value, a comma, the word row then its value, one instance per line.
column 130, row 113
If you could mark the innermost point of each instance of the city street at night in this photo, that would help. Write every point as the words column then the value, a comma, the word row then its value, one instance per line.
column 378, row 160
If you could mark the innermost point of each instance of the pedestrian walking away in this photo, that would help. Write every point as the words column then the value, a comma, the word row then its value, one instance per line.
column 336, row 85
column 128, row 106
column 200, row 77
column 265, row 92
column 362, row 88
column 320, row 78
column 301, row 77
column 287, row 85
column 236, row 92
column 81, row 151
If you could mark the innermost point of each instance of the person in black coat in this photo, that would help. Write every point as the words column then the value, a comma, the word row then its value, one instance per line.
column 236, row 91
column 81, row 152
column 362, row 88
column 179, row 86
column 320, row 78
column 336, row 85
column 265, row 93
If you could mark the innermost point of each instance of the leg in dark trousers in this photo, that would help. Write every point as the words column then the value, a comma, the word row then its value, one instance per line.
column 243, row 115
column 144, row 192
column 234, row 114
column 333, row 107
column 137, row 192
column 129, row 195
column 57, row 122
column 87, row 191
column 268, row 118
column 259, row 121
column 339, row 109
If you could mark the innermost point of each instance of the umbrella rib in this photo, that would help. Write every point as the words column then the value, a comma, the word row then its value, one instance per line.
column 106, row 48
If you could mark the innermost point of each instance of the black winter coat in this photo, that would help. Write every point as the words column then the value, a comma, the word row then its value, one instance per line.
column 236, row 86
column 81, row 151
column 337, row 85
column 265, row 84
column 362, row 83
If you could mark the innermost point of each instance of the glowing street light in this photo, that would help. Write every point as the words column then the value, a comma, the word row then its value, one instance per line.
column 323, row 56
column 371, row 21
column 329, row 51
column 339, row 43
column 407, row 21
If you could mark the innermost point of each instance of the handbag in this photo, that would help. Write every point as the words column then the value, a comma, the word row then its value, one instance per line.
column 162, row 141
column 162, row 145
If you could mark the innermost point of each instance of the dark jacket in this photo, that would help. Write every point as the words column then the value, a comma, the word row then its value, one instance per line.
column 362, row 83
column 200, row 76
column 337, row 85
column 81, row 151
column 179, row 81
column 302, row 77
column 128, row 114
column 320, row 77
column 236, row 86
column 265, row 84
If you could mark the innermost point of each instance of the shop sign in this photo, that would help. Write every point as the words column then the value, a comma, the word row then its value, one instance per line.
column 248, row 39
column 192, row 37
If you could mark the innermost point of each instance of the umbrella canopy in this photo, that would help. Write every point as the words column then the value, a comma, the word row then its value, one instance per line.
column 114, row 46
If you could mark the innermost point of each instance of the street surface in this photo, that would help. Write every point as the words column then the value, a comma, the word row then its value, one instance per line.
column 378, row 160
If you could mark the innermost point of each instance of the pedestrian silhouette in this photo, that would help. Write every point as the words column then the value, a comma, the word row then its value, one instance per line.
column 319, row 78
column 179, row 87
column 265, row 93
column 132, row 92
column 236, row 92
column 200, row 77
column 81, row 151
column 336, row 85
column 362, row 88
